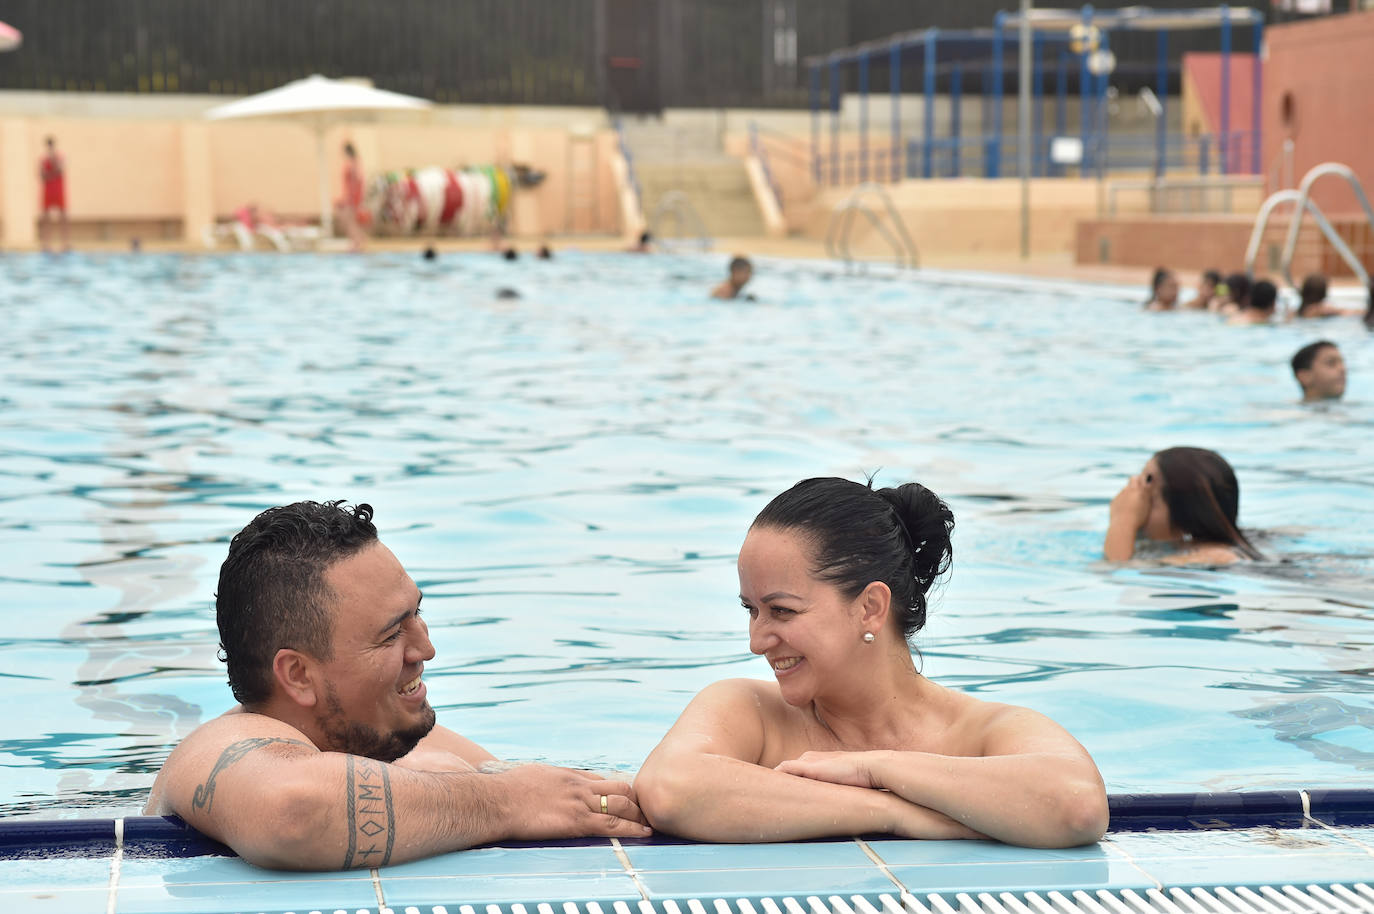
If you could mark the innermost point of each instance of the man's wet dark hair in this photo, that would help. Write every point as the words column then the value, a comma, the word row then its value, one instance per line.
column 349, row 150
column 1304, row 357
column 1200, row 489
column 1313, row 292
column 1238, row 288
column 272, row 593
column 646, row 237
column 1263, row 295
column 858, row 535
column 740, row 263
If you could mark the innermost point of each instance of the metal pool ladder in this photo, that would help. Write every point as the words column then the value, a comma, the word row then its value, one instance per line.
column 678, row 206
column 842, row 223
column 1302, row 201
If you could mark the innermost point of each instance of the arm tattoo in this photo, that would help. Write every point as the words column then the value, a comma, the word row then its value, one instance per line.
column 371, row 817
column 205, row 793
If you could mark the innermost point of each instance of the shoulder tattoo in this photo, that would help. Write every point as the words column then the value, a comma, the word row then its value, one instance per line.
column 204, row 797
column 371, row 816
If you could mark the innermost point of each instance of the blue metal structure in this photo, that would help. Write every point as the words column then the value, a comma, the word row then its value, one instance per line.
column 946, row 53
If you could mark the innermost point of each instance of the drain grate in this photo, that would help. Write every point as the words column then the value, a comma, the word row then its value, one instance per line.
column 1268, row 899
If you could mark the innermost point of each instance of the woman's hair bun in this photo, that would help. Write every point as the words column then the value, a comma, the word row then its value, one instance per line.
column 927, row 522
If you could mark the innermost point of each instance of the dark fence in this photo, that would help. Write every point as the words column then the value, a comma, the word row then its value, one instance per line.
column 492, row 51
column 636, row 54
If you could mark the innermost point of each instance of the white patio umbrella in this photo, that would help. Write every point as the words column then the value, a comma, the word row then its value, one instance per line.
column 10, row 37
column 319, row 103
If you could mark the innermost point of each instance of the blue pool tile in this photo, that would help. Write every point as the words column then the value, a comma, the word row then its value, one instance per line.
column 527, row 890
column 48, row 873
column 677, row 857
column 1250, row 842
column 1202, row 870
column 754, row 883
column 1105, row 872
column 519, row 861
column 901, row 852
column 52, row 901
column 269, row 895
column 188, row 871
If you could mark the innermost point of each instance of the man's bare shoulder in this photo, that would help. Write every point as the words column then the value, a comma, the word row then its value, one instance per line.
column 214, row 743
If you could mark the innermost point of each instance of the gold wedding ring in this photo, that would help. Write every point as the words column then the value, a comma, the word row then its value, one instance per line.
column 605, row 810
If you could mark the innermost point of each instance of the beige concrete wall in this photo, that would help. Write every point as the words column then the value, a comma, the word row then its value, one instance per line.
column 972, row 215
column 125, row 175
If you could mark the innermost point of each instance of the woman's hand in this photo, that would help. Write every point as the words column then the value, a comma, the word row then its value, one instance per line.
column 1132, row 504
column 1129, row 511
column 849, row 768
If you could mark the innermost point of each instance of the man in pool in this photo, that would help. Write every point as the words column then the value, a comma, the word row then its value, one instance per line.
column 332, row 758
column 1320, row 371
column 741, row 271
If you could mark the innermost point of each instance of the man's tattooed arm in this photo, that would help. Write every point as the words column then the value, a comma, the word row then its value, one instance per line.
column 204, row 797
column 371, row 815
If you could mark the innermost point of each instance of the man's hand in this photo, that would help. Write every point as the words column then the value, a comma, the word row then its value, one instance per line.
column 548, row 802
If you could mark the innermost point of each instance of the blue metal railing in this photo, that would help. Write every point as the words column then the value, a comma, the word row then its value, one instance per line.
column 980, row 155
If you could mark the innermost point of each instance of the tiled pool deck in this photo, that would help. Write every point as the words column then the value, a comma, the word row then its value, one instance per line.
column 656, row 871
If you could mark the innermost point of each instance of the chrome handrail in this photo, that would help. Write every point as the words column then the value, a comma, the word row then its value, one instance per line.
column 1327, row 229
column 842, row 222
column 1290, row 246
column 679, row 205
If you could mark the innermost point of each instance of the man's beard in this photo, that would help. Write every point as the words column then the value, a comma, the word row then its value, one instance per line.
column 357, row 738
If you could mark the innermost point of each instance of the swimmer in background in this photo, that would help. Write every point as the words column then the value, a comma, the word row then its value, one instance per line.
column 643, row 246
column 1163, row 291
column 1237, row 295
column 1264, row 296
column 1314, row 303
column 349, row 208
column 1320, row 371
column 1204, row 298
column 52, row 172
column 850, row 738
column 1187, row 496
column 741, row 271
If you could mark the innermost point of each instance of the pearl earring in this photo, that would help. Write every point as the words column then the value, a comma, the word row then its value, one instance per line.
column 868, row 637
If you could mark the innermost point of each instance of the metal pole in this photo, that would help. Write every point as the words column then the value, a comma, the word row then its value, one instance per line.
column 1224, row 141
column 895, row 85
column 834, row 122
column 1255, row 113
column 956, row 93
column 1162, row 93
column 928, row 80
column 863, row 118
column 993, row 168
column 1023, row 125
column 816, row 124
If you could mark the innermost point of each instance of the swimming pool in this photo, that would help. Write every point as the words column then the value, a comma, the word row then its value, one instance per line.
column 568, row 476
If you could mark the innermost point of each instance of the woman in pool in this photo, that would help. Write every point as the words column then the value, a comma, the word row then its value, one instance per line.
column 1163, row 291
column 851, row 739
column 1184, row 495
column 1314, row 303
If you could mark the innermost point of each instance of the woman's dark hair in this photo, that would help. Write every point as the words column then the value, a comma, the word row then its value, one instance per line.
column 272, row 592
column 1263, row 295
column 1200, row 489
column 1369, row 311
column 1211, row 276
column 857, row 536
column 349, row 150
column 1238, row 287
column 1313, row 292
column 1156, row 280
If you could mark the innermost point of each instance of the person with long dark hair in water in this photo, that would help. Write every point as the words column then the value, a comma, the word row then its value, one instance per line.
column 1314, row 303
column 1163, row 291
column 850, row 738
column 1185, row 495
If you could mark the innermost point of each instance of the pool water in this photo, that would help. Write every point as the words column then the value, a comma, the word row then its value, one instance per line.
column 568, row 476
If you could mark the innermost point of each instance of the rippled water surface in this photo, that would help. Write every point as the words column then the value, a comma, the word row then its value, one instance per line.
column 569, row 475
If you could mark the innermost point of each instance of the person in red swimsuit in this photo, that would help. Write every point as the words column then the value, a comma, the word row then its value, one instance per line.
column 54, row 177
column 349, row 210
